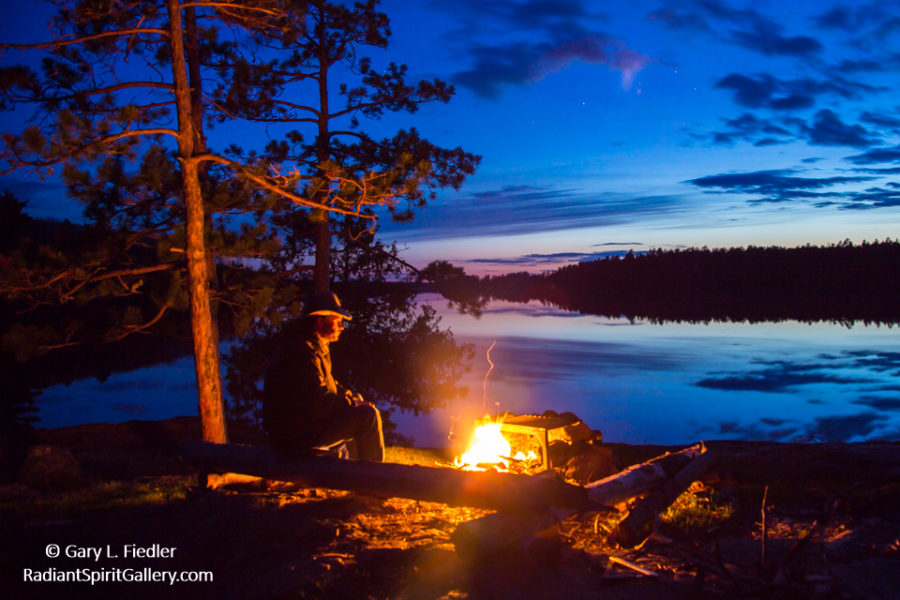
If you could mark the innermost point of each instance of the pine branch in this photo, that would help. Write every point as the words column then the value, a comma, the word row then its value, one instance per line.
column 114, row 88
column 138, row 328
column 233, row 5
column 355, row 134
column 83, row 39
column 18, row 162
column 66, row 295
column 269, row 184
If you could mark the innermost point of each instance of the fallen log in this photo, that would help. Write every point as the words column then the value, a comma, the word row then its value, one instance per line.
column 499, row 491
column 526, row 532
column 627, row 532
column 642, row 477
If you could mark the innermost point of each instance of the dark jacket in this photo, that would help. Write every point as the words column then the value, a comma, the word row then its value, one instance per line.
column 300, row 395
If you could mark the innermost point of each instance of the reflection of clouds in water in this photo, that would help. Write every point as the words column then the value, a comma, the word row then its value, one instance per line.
column 885, row 388
column 887, row 403
column 876, row 361
column 765, row 430
column 782, row 376
column 775, row 380
column 536, row 359
column 833, row 428
column 532, row 311
column 843, row 428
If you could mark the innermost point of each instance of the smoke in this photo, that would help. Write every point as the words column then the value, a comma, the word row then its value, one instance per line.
column 594, row 49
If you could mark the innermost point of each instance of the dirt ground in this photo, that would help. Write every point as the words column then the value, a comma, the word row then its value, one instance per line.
column 832, row 530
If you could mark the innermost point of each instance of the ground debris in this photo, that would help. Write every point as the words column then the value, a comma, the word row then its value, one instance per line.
column 283, row 541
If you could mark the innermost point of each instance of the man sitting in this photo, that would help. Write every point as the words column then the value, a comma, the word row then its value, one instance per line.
column 303, row 406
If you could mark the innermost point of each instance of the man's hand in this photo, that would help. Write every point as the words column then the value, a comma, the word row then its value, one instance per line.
column 356, row 399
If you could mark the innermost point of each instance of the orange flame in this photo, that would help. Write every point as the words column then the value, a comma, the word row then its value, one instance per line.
column 488, row 446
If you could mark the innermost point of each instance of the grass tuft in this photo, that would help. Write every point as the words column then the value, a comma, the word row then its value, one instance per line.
column 692, row 512
column 102, row 496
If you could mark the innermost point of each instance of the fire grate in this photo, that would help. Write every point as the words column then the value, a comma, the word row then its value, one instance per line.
column 539, row 427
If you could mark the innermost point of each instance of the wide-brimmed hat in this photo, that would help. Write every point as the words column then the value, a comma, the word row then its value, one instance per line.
column 324, row 304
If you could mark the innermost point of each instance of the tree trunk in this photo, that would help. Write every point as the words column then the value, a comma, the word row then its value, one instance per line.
column 637, row 479
column 501, row 491
column 628, row 532
column 206, row 351
column 322, row 270
column 195, row 80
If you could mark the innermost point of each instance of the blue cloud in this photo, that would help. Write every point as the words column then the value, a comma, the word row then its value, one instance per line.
column 827, row 129
column 747, row 28
column 765, row 38
column 885, row 121
column 551, row 35
column 525, row 209
column 775, row 185
column 555, row 259
column 887, row 154
column 752, row 129
column 767, row 91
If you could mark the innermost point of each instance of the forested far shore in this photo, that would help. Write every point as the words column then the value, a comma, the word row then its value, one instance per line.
column 842, row 282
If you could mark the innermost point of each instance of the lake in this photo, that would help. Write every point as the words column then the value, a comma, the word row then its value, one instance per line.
column 640, row 382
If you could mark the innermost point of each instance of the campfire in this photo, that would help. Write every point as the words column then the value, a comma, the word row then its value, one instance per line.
column 491, row 449
column 532, row 444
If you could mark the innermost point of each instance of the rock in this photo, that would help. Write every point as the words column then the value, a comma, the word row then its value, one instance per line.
column 591, row 463
column 51, row 469
column 572, row 434
column 560, row 452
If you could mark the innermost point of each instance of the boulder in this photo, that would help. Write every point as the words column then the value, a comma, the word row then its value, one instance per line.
column 571, row 434
column 590, row 463
column 51, row 469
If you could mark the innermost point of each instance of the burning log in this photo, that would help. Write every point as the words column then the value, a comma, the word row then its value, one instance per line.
column 641, row 478
column 500, row 491
column 627, row 532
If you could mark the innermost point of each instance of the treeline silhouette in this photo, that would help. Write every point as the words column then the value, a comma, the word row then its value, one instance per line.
column 842, row 283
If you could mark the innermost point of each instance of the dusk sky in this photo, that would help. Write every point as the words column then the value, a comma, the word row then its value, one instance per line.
column 609, row 126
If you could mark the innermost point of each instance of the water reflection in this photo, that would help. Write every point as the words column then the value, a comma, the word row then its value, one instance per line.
column 675, row 383
column 638, row 382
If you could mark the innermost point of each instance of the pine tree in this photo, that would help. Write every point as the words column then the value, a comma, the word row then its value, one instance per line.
column 339, row 162
column 124, row 92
